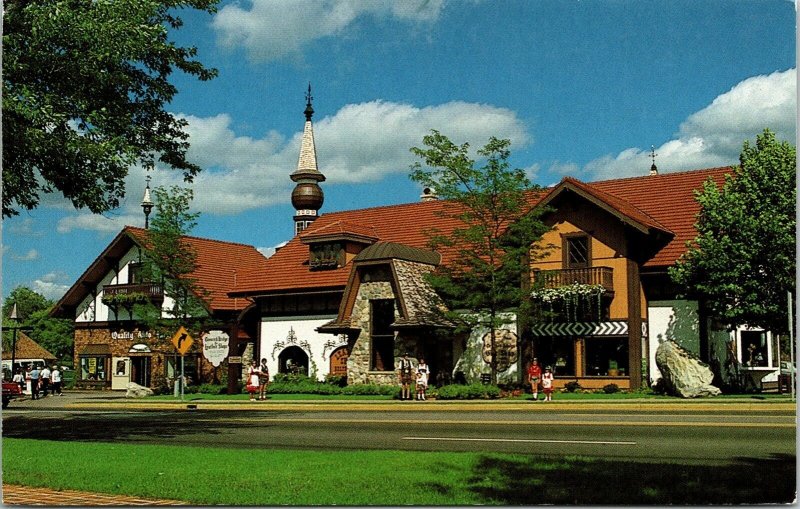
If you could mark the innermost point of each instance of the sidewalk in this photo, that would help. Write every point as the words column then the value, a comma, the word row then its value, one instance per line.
column 116, row 401
column 24, row 495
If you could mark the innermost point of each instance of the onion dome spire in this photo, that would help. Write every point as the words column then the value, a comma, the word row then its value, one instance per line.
column 147, row 204
column 307, row 196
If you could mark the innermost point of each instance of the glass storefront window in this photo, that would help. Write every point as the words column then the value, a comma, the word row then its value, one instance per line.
column 606, row 357
column 559, row 354
column 754, row 349
column 93, row 368
column 173, row 368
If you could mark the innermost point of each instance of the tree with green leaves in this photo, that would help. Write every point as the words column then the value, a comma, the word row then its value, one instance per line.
column 488, row 276
column 742, row 263
column 169, row 259
column 85, row 84
column 33, row 312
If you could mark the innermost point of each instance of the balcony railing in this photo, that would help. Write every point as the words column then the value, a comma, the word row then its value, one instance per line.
column 588, row 276
column 152, row 291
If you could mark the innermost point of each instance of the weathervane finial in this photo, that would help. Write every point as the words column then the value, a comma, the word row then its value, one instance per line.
column 653, row 168
column 309, row 110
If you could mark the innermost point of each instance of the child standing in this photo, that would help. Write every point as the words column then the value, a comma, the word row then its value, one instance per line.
column 547, row 384
column 422, row 379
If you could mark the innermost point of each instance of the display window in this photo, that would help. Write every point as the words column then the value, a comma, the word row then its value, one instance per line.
column 93, row 368
column 558, row 354
column 606, row 356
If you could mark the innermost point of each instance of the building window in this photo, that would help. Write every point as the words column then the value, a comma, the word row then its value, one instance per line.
column 173, row 368
column 755, row 351
column 606, row 356
column 134, row 273
column 326, row 256
column 577, row 252
column 93, row 368
column 382, row 316
column 559, row 354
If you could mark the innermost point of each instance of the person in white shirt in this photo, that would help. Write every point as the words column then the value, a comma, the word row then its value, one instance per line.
column 422, row 379
column 19, row 379
column 55, row 378
column 44, row 380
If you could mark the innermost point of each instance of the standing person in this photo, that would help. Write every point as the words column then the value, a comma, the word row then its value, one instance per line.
column 19, row 379
column 252, row 380
column 534, row 376
column 422, row 379
column 44, row 380
column 547, row 384
column 406, row 369
column 263, row 380
column 55, row 378
column 35, row 383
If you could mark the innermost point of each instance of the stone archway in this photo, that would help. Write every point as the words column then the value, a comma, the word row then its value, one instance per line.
column 294, row 361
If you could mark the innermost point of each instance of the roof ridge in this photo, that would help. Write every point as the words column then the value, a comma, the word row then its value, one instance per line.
column 660, row 175
column 194, row 237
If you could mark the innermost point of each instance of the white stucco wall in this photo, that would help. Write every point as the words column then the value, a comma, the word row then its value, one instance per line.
column 93, row 309
column 276, row 337
column 675, row 320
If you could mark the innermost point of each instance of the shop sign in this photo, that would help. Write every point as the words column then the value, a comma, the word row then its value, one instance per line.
column 505, row 343
column 215, row 346
column 134, row 334
column 235, row 360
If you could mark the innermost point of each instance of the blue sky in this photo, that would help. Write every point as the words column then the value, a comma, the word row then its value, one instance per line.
column 582, row 88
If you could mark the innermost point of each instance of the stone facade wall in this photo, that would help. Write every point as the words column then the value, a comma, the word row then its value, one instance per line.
column 120, row 340
column 358, row 364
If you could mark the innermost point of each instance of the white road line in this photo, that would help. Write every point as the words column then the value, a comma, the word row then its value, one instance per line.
column 536, row 441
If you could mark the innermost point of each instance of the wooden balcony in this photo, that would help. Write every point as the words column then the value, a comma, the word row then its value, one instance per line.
column 152, row 291
column 589, row 276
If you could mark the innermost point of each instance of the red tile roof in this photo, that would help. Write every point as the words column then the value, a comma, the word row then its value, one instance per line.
column 669, row 199
column 665, row 202
column 219, row 265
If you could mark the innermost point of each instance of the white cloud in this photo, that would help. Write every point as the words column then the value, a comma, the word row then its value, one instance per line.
column 274, row 29
column 51, row 285
column 359, row 143
column 88, row 221
column 27, row 257
column 714, row 135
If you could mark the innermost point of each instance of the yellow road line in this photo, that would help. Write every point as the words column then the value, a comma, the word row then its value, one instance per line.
column 519, row 423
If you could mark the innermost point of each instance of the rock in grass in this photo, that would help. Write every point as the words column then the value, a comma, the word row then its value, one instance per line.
column 137, row 391
column 684, row 375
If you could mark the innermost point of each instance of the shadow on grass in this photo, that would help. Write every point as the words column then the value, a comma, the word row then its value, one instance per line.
column 153, row 427
column 585, row 481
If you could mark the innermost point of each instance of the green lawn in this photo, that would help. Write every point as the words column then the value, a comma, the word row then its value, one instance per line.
column 211, row 476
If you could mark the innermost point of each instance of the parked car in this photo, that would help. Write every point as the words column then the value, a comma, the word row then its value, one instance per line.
column 11, row 390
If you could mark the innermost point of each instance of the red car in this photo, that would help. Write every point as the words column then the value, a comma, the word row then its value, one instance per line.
column 11, row 390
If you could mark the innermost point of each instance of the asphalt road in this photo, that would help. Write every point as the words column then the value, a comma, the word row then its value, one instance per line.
column 691, row 437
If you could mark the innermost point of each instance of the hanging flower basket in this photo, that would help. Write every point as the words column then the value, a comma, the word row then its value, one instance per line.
column 571, row 296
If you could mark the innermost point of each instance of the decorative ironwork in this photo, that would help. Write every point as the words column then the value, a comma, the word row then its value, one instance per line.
column 333, row 344
column 291, row 340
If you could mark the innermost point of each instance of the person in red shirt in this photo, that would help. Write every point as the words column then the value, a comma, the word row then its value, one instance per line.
column 534, row 376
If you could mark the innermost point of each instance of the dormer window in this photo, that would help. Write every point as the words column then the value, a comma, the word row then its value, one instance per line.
column 329, row 255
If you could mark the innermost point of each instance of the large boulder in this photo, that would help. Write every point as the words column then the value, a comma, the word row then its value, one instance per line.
column 137, row 391
column 683, row 374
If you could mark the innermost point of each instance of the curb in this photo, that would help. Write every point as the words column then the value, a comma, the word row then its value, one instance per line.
column 14, row 494
column 398, row 406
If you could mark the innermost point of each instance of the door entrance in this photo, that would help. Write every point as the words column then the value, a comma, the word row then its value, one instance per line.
column 140, row 370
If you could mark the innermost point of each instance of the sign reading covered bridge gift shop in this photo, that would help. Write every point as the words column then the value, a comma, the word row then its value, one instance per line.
column 615, row 328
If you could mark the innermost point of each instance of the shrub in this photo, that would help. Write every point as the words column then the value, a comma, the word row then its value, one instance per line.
column 211, row 389
column 471, row 391
column 611, row 388
column 338, row 380
column 371, row 390
column 572, row 386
